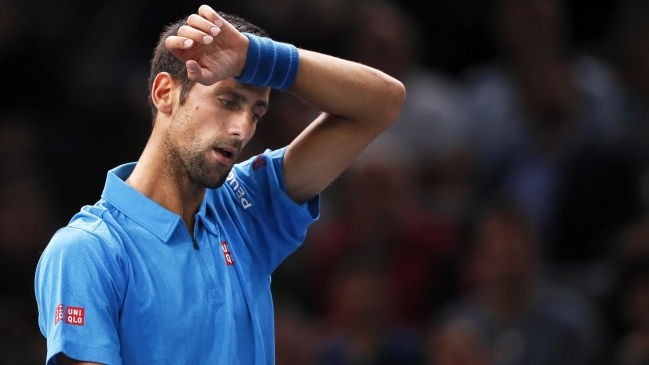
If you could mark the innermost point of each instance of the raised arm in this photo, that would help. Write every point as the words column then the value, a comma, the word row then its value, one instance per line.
column 358, row 102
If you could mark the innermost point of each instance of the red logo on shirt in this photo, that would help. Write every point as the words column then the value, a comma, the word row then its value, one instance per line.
column 74, row 315
column 259, row 162
column 227, row 254
column 58, row 314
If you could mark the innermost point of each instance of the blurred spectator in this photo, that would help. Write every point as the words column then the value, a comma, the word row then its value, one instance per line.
column 384, row 218
column 522, row 318
column 431, row 123
column 295, row 338
column 311, row 24
column 634, row 303
column 357, row 329
column 630, row 53
column 634, row 243
column 627, row 307
column 534, row 113
column 457, row 343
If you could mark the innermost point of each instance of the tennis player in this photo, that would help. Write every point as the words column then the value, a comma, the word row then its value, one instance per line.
column 173, row 264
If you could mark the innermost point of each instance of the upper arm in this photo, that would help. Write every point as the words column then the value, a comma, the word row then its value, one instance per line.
column 321, row 153
column 271, row 237
column 79, row 289
column 358, row 104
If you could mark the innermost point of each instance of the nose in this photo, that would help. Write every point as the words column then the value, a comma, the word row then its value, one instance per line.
column 242, row 126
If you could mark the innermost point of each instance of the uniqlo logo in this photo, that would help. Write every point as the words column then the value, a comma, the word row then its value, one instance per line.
column 74, row 315
column 227, row 254
column 58, row 314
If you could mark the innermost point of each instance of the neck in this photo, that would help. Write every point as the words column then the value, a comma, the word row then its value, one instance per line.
column 164, row 182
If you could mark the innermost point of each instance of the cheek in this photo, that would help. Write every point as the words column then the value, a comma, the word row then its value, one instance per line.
column 252, row 132
column 199, row 123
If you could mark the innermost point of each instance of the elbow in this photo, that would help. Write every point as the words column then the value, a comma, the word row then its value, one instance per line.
column 396, row 97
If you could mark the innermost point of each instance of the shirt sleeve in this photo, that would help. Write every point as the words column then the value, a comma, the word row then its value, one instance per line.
column 277, row 224
column 79, row 286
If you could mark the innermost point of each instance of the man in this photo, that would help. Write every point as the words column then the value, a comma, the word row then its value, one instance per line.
column 126, row 282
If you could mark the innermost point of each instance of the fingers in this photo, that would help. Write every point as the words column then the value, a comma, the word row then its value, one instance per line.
column 202, row 24
column 208, row 13
column 176, row 45
column 195, row 35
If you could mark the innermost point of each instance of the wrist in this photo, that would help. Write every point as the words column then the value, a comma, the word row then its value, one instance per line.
column 244, row 45
column 269, row 63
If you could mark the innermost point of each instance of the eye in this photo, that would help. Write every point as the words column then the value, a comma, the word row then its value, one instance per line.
column 228, row 103
column 256, row 117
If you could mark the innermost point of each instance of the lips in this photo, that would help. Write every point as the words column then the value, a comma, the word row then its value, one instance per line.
column 227, row 154
column 224, row 152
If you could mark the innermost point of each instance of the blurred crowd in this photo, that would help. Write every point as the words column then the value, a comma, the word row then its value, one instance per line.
column 503, row 220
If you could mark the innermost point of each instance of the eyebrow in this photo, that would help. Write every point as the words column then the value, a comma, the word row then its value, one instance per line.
column 260, row 102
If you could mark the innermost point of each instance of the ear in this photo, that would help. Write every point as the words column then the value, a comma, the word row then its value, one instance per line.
column 163, row 92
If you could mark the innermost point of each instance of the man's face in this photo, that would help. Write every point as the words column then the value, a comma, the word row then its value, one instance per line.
column 207, row 133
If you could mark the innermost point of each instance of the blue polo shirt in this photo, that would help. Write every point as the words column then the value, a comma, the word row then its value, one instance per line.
column 125, row 283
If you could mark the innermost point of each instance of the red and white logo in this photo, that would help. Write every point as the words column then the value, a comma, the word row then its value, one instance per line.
column 227, row 254
column 75, row 316
column 58, row 314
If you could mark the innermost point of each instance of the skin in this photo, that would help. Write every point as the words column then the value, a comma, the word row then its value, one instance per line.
column 180, row 160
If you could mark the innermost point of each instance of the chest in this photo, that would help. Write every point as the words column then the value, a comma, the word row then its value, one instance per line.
column 183, row 289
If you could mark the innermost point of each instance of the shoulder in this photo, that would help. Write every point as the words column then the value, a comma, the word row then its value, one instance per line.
column 88, row 230
column 255, row 165
column 256, row 175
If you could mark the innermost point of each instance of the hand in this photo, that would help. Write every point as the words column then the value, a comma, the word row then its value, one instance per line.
column 212, row 49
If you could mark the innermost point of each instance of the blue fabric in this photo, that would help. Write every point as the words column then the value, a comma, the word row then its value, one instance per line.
column 150, row 297
column 270, row 63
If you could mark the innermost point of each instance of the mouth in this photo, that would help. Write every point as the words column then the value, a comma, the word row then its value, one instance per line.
column 224, row 153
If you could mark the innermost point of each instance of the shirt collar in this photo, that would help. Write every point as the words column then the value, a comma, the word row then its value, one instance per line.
column 146, row 212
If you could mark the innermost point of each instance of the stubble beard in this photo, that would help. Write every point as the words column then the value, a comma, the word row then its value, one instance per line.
column 189, row 162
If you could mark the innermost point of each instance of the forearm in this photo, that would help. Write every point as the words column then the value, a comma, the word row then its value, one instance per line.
column 348, row 90
column 358, row 104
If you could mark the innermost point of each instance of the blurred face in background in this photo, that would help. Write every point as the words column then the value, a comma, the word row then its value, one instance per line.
column 505, row 256
column 383, row 38
column 636, row 303
column 530, row 26
column 457, row 343
column 636, row 55
column 359, row 298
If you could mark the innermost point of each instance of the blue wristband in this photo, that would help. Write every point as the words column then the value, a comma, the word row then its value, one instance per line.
column 270, row 63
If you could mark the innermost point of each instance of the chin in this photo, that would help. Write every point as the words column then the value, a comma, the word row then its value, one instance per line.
column 214, row 184
column 215, row 178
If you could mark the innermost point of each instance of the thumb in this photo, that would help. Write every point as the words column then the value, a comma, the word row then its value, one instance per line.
column 196, row 73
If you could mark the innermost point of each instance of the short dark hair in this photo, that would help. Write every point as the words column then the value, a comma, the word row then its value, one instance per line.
column 164, row 61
